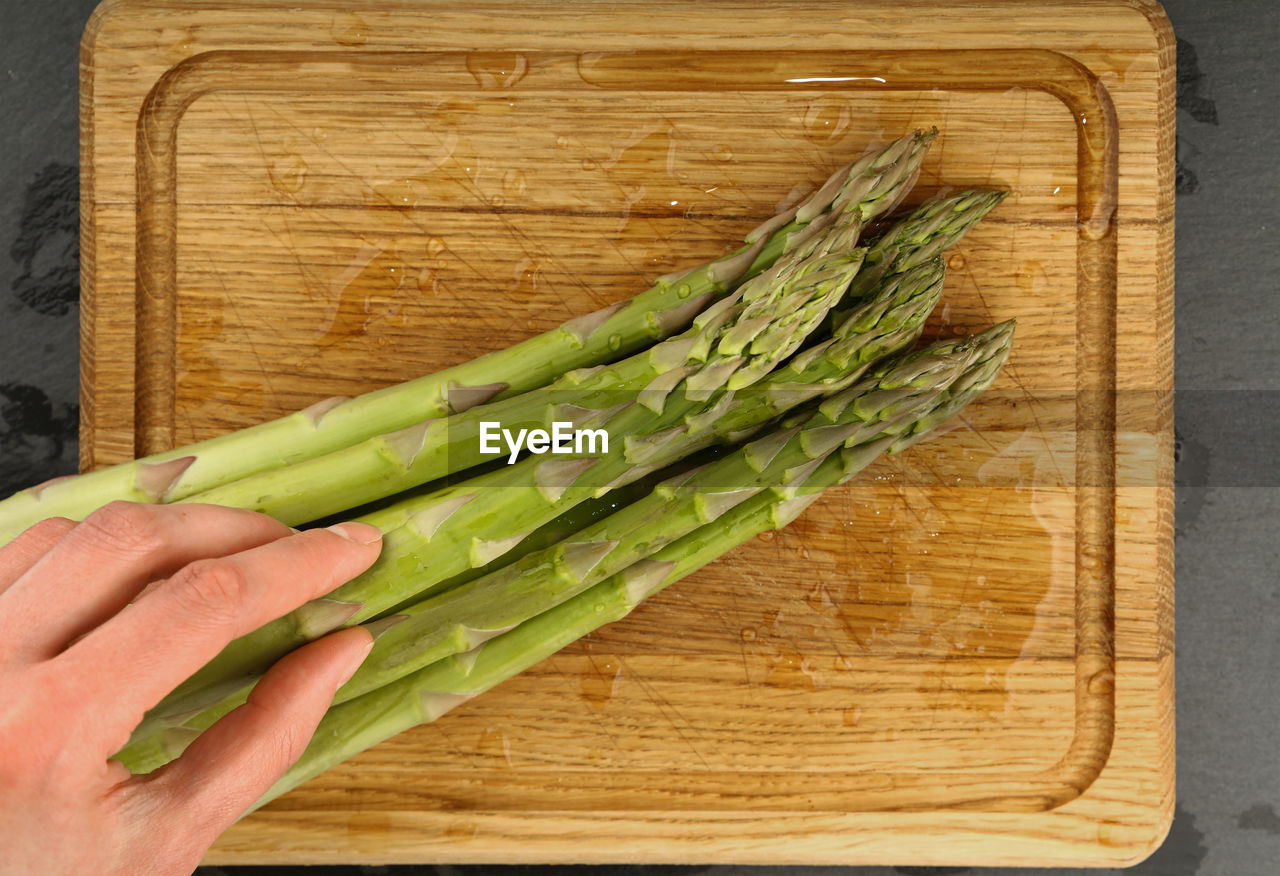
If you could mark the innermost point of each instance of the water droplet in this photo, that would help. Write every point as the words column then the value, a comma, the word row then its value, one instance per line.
column 589, row 164
column 288, row 173
column 852, row 716
column 820, row 601
column 615, row 341
column 956, row 262
column 1102, row 682
column 562, row 142
column 349, row 30
column 1031, row 277
column 827, row 118
column 514, row 182
column 748, row 634
column 182, row 44
column 402, row 194
column 600, row 681
column 435, row 246
column 787, row 664
column 493, row 743
column 684, row 290
column 526, row 274
column 462, row 830
column 428, row 282
column 494, row 70
column 721, row 153
column 497, row 200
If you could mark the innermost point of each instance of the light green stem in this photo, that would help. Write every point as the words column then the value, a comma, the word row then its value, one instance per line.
column 428, row 693
column 665, row 309
column 895, row 406
column 444, row 534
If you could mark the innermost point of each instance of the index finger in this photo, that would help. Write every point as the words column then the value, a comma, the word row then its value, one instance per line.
column 102, row 563
column 178, row 626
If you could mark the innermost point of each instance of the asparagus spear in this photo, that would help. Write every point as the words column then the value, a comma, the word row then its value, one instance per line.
column 461, row 534
column 471, row 523
column 899, row 265
column 430, row 692
column 387, row 464
column 893, row 401
column 923, row 234
column 769, row 480
column 148, row 750
column 751, row 321
column 878, row 180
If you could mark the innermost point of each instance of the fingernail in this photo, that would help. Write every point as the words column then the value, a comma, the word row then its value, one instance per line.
column 360, row 533
column 356, row 663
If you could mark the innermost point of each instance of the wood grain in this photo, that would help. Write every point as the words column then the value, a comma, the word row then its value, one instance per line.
column 964, row 658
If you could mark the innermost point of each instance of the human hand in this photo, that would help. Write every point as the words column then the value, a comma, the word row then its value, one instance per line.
column 98, row 621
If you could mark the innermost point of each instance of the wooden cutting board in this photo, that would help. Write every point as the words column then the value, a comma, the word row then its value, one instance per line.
column 964, row 658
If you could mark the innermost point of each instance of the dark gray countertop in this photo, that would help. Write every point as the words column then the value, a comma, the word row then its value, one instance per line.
column 1227, row 353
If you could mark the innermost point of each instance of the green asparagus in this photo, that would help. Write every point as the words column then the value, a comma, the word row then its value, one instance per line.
column 430, row 692
column 753, row 322
column 471, row 523
column 896, row 400
column 893, row 401
column 923, row 234
column 881, row 177
column 460, row 534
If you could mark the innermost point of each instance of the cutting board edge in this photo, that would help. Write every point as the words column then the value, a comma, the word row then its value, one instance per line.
column 1150, row 8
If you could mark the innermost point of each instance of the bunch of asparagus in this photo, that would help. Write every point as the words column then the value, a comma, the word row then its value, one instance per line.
column 795, row 344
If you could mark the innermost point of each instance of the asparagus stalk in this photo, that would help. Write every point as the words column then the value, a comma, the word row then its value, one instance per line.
column 388, row 464
column 460, row 534
column 430, row 692
column 687, row 522
column 892, row 402
column 151, row 749
column 472, row 523
column 747, row 322
column 890, row 320
column 899, row 265
column 877, row 180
